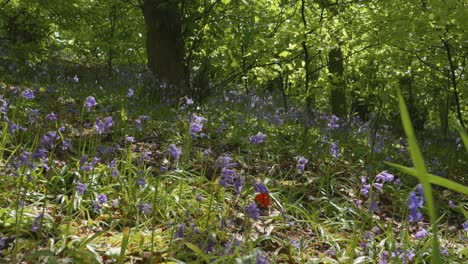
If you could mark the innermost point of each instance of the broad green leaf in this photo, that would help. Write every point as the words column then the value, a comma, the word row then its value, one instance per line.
column 421, row 173
column 449, row 184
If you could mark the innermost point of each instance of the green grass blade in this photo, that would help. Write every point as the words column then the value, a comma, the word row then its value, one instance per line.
column 433, row 179
column 421, row 172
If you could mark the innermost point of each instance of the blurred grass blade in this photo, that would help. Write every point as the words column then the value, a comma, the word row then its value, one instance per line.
column 434, row 179
column 421, row 172
column 123, row 248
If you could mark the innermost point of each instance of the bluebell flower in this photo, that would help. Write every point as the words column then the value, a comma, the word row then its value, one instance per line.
column 238, row 185
column 301, row 163
column 36, row 225
column 333, row 123
column 66, row 144
column 80, row 188
column 180, row 230
column 422, row 232
column 138, row 124
column 4, row 106
column 109, row 122
column 174, row 151
column 130, row 93
column 145, row 208
column 40, row 153
column 12, row 126
column 422, row 199
column 365, row 189
column 378, row 185
column 334, row 150
column 374, row 207
column 97, row 206
column 384, row 176
column 413, row 207
column 451, row 204
column 209, row 247
column 465, row 226
column 28, row 94
column 90, row 102
column 257, row 139
column 141, row 182
column 102, row 198
column 253, row 211
column 227, row 177
column 99, row 126
column 260, row 188
column 224, row 162
column 188, row 101
column 51, row 117
column 260, row 258
column 383, row 257
column 196, row 126
column 48, row 140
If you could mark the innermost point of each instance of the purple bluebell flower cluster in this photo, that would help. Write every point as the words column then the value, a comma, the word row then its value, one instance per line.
column 139, row 120
column 333, row 123
column 145, row 208
column 301, row 163
column 36, row 225
column 103, row 127
column 89, row 103
column 28, row 94
column 102, row 198
column 80, row 188
column 421, row 233
column 174, row 151
column 413, row 207
column 196, row 126
column 335, row 150
column 260, row 187
column 52, row 117
column 258, row 139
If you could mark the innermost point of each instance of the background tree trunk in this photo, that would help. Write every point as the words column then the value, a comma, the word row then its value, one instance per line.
column 165, row 45
column 338, row 92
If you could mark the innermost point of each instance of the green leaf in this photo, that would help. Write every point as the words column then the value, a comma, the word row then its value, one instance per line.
column 421, row 174
column 434, row 179
column 284, row 53
column 197, row 250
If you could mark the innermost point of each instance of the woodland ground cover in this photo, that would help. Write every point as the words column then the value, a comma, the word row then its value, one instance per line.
column 96, row 172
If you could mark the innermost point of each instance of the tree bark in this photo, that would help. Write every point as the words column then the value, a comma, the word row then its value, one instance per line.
column 338, row 92
column 453, row 80
column 165, row 45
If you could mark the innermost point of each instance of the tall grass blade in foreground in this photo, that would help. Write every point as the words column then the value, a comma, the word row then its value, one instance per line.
column 420, row 173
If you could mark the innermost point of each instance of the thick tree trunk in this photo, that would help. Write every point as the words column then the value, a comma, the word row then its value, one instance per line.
column 338, row 92
column 165, row 45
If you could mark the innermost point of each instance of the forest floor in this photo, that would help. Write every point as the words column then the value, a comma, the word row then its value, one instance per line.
column 99, row 173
